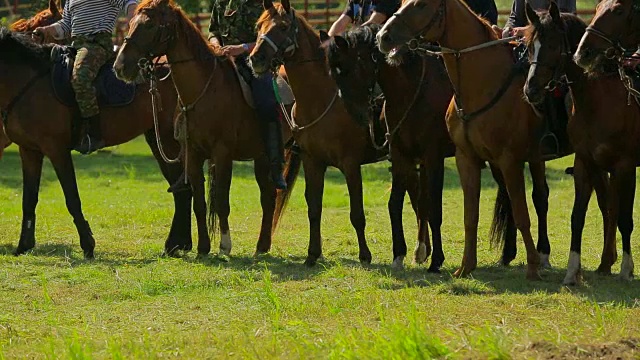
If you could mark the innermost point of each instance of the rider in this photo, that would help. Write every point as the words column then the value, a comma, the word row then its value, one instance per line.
column 485, row 8
column 232, row 32
column 89, row 24
column 356, row 11
column 558, row 106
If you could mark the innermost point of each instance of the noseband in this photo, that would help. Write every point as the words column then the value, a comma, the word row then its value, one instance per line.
column 616, row 48
column 437, row 17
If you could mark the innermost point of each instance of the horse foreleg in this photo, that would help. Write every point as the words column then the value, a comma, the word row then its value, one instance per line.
column 403, row 177
column 540, row 196
column 267, row 202
column 180, row 234
column 63, row 165
column 625, row 220
column 223, row 171
column 353, row 176
column 196, row 179
column 31, row 174
column 469, row 171
column 314, row 189
column 435, row 183
column 513, row 173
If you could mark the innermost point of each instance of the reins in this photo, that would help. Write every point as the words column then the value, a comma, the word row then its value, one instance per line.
column 291, row 121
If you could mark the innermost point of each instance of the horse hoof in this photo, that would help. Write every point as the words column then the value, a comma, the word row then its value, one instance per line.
column 434, row 269
column 88, row 255
column 604, row 269
column 460, row 273
column 533, row 274
column 260, row 253
column 202, row 256
column 225, row 244
column 420, row 254
column 574, row 272
column 398, row 263
column 310, row 262
column 365, row 257
column 626, row 270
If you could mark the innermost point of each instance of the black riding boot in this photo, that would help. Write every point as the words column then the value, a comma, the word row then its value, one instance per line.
column 180, row 185
column 92, row 140
column 274, row 145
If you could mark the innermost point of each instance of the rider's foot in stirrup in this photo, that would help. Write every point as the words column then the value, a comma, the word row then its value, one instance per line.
column 549, row 147
column 89, row 144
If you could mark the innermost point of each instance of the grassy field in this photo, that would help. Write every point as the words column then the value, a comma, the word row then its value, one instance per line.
column 132, row 303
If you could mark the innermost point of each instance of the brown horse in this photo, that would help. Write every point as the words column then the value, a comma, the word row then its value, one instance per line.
column 323, row 128
column 417, row 95
column 43, row 18
column 614, row 28
column 41, row 126
column 488, row 119
column 604, row 130
column 221, row 126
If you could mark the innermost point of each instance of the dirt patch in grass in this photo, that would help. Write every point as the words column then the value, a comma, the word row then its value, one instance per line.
column 623, row 349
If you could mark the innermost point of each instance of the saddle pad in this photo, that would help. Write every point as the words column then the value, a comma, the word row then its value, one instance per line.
column 286, row 94
column 110, row 91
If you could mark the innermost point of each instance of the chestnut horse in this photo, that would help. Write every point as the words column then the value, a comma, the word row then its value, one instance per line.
column 614, row 28
column 488, row 118
column 323, row 128
column 604, row 130
column 417, row 95
column 221, row 126
column 43, row 18
column 41, row 126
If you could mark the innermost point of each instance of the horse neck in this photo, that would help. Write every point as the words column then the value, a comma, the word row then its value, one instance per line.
column 309, row 77
column 190, row 77
column 399, row 84
column 486, row 66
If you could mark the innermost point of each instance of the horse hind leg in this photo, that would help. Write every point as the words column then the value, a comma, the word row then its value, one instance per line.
column 314, row 182
column 31, row 174
column 267, row 202
column 219, row 202
column 540, row 196
column 196, row 179
column 404, row 179
column 63, row 165
column 435, row 181
column 514, row 180
column 625, row 222
column 503, row 230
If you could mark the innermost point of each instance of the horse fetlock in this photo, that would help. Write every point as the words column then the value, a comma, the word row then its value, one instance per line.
column 574, row 271
column 626, row 270
column 544, row 261
column 225, row 244
column 365, row 255
column 398, row 263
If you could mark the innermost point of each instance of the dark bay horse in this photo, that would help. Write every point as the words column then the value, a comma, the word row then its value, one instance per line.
column 41, row 126
column 604, row 130
column 323, row 128
column 417, row 95
column 220, row 125
column 614, row 28
column 488, row 118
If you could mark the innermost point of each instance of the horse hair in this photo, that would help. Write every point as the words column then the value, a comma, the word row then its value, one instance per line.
column 574, row 27
column 17, row 48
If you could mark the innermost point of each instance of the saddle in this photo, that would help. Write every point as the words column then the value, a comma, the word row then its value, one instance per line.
column 110, row 91
column 244, row 75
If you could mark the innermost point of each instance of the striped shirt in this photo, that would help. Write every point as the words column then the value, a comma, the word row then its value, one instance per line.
column 89, row 17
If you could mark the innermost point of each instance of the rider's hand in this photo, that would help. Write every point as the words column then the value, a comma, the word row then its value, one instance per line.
column 518, row 31
column 233, row 50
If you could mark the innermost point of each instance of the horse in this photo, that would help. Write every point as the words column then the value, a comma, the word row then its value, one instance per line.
column 487, row 119
column 220, row 124
column 417, row 95
column 604, row 130
column 321, row 125
column 614, row 28
column 43, row 18
column 42, row 126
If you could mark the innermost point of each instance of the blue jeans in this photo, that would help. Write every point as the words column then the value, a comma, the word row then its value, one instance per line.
column 264, row 98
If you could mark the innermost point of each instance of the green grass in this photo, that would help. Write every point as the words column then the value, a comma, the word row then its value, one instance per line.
column 131, row 303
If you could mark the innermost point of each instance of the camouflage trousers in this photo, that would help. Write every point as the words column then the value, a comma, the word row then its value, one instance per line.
column 92, row 52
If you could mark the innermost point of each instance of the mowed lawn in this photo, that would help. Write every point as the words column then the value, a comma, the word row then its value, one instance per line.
column 132, row 303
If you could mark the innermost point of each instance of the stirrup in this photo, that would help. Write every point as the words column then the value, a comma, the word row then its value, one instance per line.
column 555, row 153
column 90, row 147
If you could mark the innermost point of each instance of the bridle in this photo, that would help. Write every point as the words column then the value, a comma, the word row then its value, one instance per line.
column 437, row 17
column 559, row 74
column 615, row 50
column 288, row 47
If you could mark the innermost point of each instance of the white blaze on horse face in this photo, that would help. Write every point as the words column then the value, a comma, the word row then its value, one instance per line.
column 536, row 52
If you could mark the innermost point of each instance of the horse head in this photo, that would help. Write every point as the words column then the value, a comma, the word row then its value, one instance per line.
column 153, row 32
column 416, row 18
column 277, row 36
column 614, row 28
column 45, row 17
column 354, row 60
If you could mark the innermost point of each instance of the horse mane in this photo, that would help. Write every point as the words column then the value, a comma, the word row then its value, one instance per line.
column 574, row 27
column 193, row 37
column 16, row 48
column 43, row 18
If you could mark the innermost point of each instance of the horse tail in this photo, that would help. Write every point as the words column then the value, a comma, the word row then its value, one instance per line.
column 502, row 218
column 212, row 216
column 290, row 173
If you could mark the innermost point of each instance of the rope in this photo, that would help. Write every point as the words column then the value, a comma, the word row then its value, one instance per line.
column 439, row 50
column 292, row 122
column 156, row 105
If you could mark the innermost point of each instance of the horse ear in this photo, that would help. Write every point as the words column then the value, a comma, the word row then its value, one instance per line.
column 341, row 42
column 554, row 12
column 532, row 15
column 286, row 5
column 53, row 8
column 267, row 4
column 324, row 36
